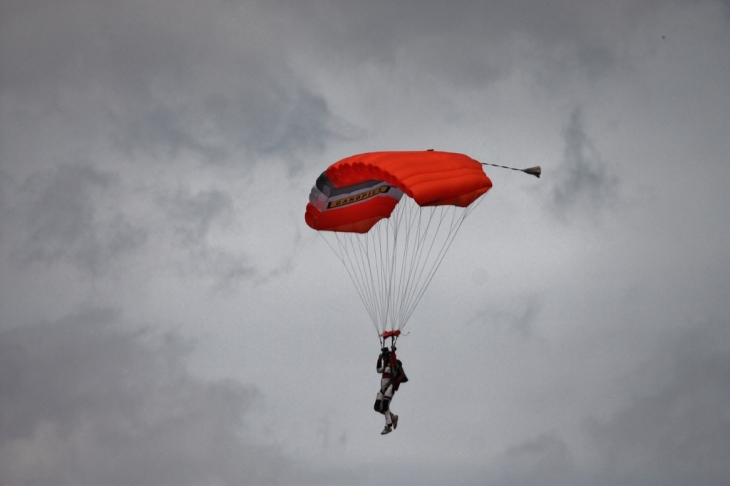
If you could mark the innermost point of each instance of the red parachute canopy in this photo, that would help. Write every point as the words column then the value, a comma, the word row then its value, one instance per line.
column 352, row 195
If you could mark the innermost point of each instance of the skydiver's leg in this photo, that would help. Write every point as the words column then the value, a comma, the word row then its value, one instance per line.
column 388, row 417
column 387, row 397
column 379, row 407
column 382, row 404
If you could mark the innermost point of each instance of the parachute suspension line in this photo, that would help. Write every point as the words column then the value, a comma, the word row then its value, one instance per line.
column 424, row 256
column 377, row 270
column 369, row 279
column 368, row 252
column 360, row 272
column 356, row 270
column 378, row 279
column 387, row 264
column 384, row 238
column 397, row 273
column 403, row 215
column 350, row 267
column 453, row 230
column 410, row 244
column 420, row 285
column 365, row 273
column 417, row 261
column 393, row 264
column 421, row 233
column 403, row 279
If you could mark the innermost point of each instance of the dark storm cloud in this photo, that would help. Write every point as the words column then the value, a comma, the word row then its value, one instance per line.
column 679, row 434
column 83, row 404
column 584, row 181
column 57, row 219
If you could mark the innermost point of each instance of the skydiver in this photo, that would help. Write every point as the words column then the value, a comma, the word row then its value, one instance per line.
column 392, row 373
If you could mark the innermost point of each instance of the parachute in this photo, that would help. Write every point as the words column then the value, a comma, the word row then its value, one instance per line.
column 392, row 245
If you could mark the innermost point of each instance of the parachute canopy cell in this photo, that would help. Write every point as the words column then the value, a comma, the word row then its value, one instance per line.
column 352, row 195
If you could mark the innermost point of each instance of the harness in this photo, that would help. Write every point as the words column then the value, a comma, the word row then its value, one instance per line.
column 392, row 361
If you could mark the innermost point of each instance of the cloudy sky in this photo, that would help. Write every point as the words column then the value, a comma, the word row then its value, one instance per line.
column 167, row 317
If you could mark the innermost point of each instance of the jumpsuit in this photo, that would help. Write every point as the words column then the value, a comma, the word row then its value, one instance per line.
column 387, row 383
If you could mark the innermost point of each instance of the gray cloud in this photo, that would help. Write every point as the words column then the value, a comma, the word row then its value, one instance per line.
column 544, row 460
column 519, row 317
column 464, row 43
column 193, row 215
column 128, row 134
column 215, row 80
column 224, row 267
column 4, row 209
column 84, row 404
column 584, row 182
column 166, row 79
column 192, row 218
column 58, row 220
column 679, row 434
column 263, row 117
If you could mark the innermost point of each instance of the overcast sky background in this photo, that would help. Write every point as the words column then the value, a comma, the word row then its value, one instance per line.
column 167, row 317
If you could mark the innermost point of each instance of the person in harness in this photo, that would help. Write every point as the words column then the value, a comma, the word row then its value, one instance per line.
column 392, row 375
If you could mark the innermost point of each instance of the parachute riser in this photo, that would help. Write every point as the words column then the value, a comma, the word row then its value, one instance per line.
column 393, row 335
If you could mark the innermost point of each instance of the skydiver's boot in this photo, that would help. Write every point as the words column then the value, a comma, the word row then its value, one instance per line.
column 387, row 430
column 395, row 421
